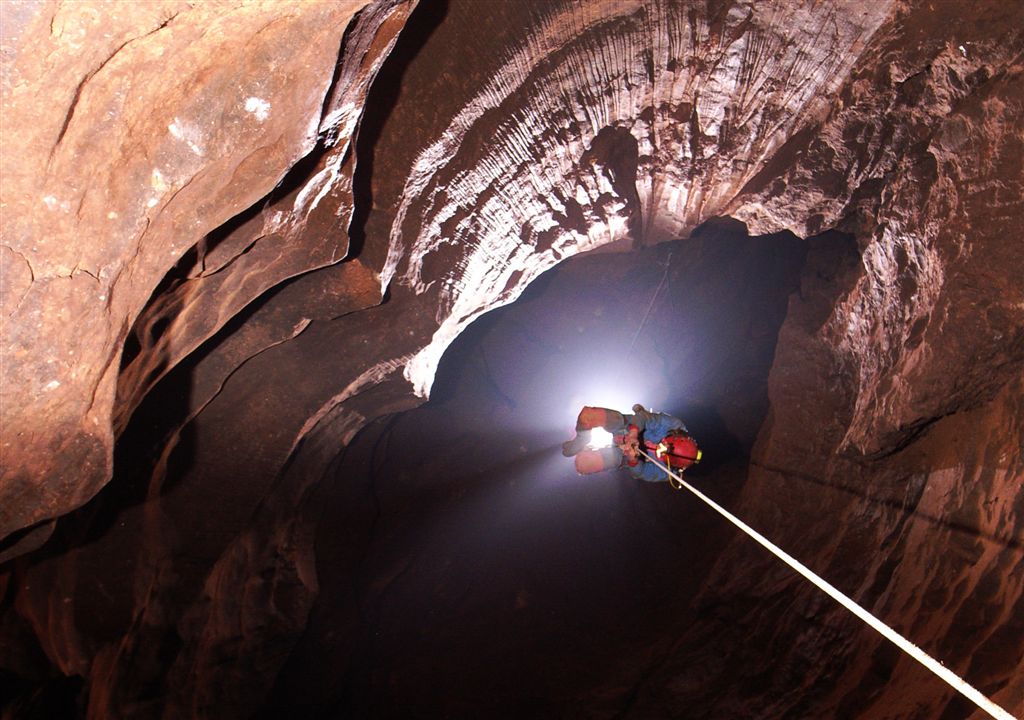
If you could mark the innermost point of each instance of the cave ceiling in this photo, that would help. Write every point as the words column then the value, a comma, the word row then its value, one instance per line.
column 235, row 235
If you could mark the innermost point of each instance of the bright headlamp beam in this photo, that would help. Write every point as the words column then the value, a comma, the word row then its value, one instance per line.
column 600, row 438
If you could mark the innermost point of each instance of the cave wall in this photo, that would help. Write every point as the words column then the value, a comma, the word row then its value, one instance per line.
column 915, row 385
column 170, row 120
column 497, row 145
column 673, row 107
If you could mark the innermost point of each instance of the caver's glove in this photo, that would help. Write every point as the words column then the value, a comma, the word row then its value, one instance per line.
column 630, row 446
column 631, row 451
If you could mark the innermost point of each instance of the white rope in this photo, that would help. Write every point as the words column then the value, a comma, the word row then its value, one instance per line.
column 954, row 680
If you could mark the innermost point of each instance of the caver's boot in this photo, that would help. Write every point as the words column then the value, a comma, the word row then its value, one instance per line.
column 592, row 417
column 578, row 443
column 593, row 461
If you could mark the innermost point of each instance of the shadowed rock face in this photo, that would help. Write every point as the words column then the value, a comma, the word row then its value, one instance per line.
column 234, row 235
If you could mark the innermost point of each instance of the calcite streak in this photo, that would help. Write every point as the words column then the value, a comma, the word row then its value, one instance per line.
column 369, row 378
column 707, row 98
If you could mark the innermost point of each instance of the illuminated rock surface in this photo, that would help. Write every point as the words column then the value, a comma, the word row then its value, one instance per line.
column 236, row 234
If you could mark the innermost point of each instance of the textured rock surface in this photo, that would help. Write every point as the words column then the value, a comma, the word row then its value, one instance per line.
column 173, row 119
column 172, row 238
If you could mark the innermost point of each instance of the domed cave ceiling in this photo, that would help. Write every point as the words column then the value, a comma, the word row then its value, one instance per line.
column 244, row 242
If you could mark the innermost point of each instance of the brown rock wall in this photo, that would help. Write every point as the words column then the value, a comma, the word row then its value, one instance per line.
column 176, row 229
column 172, row 119
column 922, row 158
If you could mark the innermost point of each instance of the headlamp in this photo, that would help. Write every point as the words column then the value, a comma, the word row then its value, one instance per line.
column 600, row 438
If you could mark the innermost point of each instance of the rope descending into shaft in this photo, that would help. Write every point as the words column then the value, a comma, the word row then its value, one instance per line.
column 954, row 680
column 654, row 299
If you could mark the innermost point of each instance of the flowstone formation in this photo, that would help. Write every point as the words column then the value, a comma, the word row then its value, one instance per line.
column 235, row 233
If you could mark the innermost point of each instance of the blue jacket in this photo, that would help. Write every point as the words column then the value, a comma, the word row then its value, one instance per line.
column 654, row 430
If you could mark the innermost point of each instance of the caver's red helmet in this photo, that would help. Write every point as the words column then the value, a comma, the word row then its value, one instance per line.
column 678, row 450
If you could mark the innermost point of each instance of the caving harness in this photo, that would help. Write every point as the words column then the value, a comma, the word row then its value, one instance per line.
column 677, row 450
